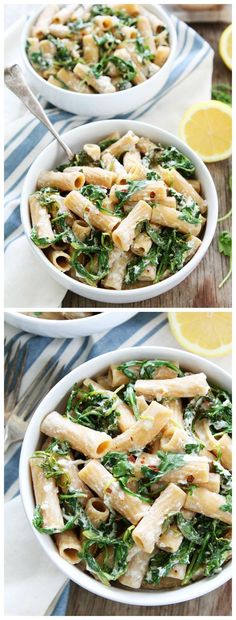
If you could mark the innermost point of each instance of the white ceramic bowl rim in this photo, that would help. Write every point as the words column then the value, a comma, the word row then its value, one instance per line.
column 147, row 598
column 141, row 292
column 53, row 322
column 163, row 16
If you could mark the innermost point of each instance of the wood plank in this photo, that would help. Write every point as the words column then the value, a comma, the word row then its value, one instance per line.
column 83, row 603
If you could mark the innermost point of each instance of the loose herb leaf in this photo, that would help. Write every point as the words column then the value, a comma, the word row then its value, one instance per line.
column 225, row 247
column 170, row 157
column 222, row 92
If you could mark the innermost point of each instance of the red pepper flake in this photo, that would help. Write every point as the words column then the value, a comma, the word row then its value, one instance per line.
column 123, row 181
column 153, row 467
column 131, row 458
column 109, row 490
column 190, row 478
column 152, row 194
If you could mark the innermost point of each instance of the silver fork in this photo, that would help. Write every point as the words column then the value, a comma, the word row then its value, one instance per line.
column 17, row 413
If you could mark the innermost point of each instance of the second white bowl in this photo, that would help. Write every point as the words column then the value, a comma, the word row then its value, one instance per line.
column 53, row 155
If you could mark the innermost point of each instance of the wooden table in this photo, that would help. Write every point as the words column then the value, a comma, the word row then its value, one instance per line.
column 200, row 289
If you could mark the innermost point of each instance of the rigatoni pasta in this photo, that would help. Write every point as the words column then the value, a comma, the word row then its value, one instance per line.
column 122, row 495
column 106, row 47
column 115, row 215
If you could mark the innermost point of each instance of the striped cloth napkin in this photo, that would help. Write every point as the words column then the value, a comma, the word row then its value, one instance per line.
column 28, row 284
column 28, row 569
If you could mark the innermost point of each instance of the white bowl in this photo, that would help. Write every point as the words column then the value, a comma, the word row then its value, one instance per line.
column 53, row 155
column 103, row 105
column 69, row 328
column 55, row 400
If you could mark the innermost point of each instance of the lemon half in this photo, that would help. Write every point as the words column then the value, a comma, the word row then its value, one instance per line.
column 207, row 128
column 225, row 46
column 208, row 334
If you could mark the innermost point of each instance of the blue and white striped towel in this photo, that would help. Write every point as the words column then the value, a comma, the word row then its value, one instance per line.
column 26, row 283
column 27, row 565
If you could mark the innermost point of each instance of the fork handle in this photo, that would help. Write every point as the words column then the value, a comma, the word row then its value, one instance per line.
column 15, row 81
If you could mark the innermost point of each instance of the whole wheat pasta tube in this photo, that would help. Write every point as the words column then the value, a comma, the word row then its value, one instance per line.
column 142, row 404
column 213, row 483
column 46, row 495
column 225, row 445
column 90, row 49
column 208, row 504
column 126, row 417
column 55, row 81
column 136, row 570
column 75, row 484
column 102, row 84
column 64, row 14
column 124, row 234
column 59, row 31
column 161, row 55
column 145, row 29
column 132, row 9
column 102, row 482
column 41, row 26
column 91, row 443
column 118, row 261
column 142, row 244
column 60, row 259
column 64, row 181
column 105, row 22
column 96, row 176
column 81, row 229
column 171, row 539
column 69, row 546
column 71, row 81
column 174, row 179
column 203, row 432
column 166, row 216
column 152, row 190
column 148, row 531
column 144, row 430
column 194, row 470
column 175, row 404
column 81, row 206
column 93, row 150
column 131, row 159
column 175, row 441
column 148, row 274
column 96, row 511
column 112, row 163
column 47, row 47
column 123, row 144
column 40, row 220
column 180, row 387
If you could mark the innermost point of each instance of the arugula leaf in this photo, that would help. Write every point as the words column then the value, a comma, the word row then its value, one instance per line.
column 100, row 9
column 104, row 144
column 225, row 478
column 154, row 473
column 125, row 194
column 170, row 157
column 131, row 399
column 145, row 368
column 39, row 60
column 96, row 194
column 80, row 159
column 212, row 551
column 143, row 50
column 173, row 247
column 98, row 245
column 126, row 67
column 97, row 410
column 152, row 175
column 193, row 447
column 62, row 57
column 127, row 20
column 189, row 210
column 136, row 266
column 225, row 247
column 215, row 406
column 120, row 465
column 187, row 528
column 227, row 507
column 45, row 196
column 107, row 41
column 77, row 25
column 112, row 567
column 222, row 92
column 162, row 562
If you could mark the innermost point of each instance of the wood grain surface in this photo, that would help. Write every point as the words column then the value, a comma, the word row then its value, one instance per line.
column 200, row 289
